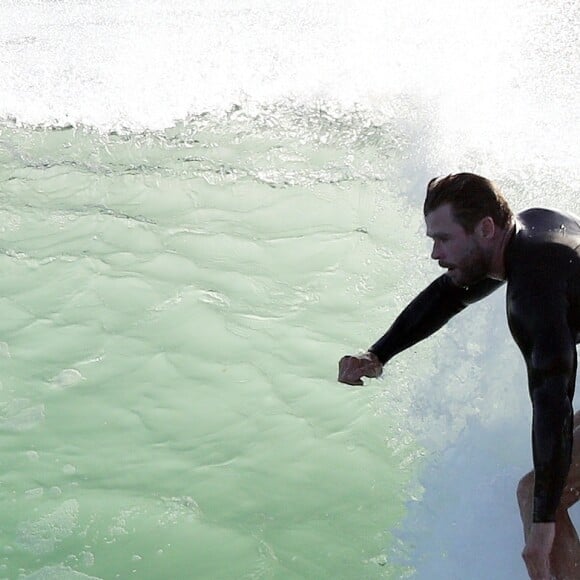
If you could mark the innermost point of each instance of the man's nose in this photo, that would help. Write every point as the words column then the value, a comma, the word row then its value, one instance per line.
column 436, row 252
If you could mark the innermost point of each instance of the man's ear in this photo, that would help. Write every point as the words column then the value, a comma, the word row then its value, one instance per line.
column 486, row 228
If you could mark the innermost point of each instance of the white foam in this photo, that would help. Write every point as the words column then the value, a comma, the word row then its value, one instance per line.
column 41, row 536
column 59, row 572
column 4, row 350
column 20, row 415
column 66, row 378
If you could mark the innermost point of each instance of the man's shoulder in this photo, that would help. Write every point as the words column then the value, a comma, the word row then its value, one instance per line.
column 545, row 226
column 546, row 245
column 546, row 219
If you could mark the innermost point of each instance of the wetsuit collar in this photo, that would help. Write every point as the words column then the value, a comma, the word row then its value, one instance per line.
column 505, row 250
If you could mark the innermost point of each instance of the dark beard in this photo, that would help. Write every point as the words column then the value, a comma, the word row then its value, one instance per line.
column 477, row 270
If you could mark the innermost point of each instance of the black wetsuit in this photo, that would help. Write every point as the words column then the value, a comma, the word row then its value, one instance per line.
column 543, row 308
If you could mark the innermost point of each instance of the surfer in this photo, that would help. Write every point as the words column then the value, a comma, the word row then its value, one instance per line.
column 482, row 245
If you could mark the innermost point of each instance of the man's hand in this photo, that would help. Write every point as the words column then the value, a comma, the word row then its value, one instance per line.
column 536, row 553
column 352, row 368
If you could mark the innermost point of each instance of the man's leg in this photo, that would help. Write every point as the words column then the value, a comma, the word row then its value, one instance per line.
column 565, row 557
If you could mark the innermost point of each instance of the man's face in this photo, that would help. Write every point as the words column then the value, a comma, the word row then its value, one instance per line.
column 455, row 249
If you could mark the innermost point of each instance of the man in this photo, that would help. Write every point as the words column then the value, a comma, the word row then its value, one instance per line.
column 481, row 244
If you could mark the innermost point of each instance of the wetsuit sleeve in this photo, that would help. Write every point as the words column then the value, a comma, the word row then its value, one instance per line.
column 539, row 323
column 428, row 312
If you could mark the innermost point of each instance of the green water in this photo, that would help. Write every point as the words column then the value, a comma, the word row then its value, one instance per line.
column 173, row 309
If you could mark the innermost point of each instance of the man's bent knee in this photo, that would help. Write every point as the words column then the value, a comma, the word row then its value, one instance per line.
column 570, row 496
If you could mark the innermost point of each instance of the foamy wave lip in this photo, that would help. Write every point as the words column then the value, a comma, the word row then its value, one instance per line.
column 207, row 58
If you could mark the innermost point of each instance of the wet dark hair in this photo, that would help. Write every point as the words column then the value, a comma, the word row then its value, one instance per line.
column 472, row 198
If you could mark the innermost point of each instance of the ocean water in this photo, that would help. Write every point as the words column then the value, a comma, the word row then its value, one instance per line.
column 203, row 207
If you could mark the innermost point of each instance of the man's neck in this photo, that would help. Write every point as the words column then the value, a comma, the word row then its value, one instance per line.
column 498, row 262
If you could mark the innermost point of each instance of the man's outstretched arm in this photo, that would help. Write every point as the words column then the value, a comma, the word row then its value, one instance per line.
column 426, row 314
